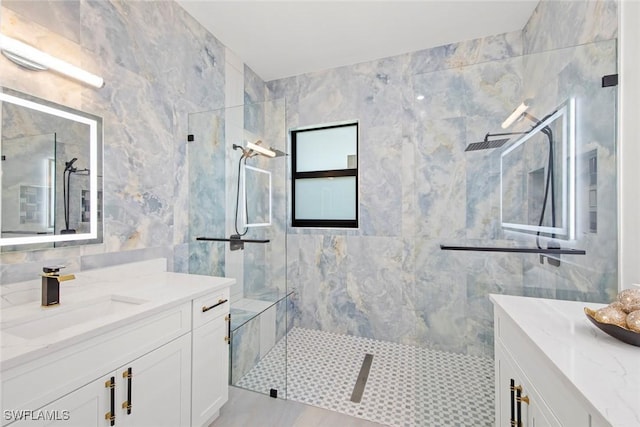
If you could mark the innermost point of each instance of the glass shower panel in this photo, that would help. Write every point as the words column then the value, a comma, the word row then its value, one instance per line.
column 461, row 106
column 577, row 73
column 228, row 186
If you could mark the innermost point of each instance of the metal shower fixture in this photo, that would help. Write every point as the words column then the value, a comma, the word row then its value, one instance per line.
column 495, row 143
column 255, row 148
column 486, row 144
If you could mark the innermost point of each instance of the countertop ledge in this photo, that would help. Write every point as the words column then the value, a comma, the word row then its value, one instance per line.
column 604, row 370
column 156, row 291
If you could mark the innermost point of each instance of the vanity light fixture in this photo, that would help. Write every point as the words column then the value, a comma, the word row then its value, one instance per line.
column 29, row 57
column 259, row 149
column 517, row 113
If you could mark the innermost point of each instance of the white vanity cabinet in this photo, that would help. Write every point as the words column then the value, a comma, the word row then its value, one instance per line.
column 210, row 369
column 164, row 366
column 548, row 370
column 152, row 390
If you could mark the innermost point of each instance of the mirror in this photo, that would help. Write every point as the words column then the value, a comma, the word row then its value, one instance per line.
column 256, row 193
column 537, row 178
column 51, row 173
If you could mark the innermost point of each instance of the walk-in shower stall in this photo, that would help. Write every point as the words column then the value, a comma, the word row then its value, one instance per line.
column 530, row 210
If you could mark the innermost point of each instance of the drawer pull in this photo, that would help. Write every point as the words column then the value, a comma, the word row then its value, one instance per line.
column 127, row 403
column 513, row 403
column 111, row 415
column 518, row 406
column 220, row 302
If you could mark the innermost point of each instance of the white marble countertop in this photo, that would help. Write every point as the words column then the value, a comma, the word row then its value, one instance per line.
column 606, row 371
column 146, row 282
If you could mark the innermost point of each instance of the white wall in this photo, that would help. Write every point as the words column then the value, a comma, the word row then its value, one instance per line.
column 629, row 146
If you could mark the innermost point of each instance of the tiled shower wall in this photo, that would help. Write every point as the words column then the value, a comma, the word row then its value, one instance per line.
column 389, row 280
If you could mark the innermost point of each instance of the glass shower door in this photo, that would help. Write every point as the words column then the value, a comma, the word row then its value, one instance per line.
column 238, row 202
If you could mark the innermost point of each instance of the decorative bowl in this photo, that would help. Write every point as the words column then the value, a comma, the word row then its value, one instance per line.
column 624, row 335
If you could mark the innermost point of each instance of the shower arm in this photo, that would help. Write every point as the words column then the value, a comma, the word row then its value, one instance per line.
column 486, row 137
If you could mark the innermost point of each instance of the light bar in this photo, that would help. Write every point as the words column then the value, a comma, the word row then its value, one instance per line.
column 29, row 57
column 515, row 115
column 261, row 150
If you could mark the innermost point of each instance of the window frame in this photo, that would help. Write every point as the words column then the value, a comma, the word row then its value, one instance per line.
column 333, row 173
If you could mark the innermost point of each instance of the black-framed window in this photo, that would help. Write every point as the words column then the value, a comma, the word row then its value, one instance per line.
column 325, row 176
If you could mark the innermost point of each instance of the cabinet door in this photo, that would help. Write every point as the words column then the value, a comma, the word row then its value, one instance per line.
column 532, row 411
column 159, row 387
column 84, row 407
column 540, row 416
column 210, row 370
column 506, row 377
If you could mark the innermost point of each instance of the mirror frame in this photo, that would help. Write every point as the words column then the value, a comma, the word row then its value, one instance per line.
column 95, row 137
column 567, row 228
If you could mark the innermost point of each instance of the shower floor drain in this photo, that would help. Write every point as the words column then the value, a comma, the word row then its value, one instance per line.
column 356, row 396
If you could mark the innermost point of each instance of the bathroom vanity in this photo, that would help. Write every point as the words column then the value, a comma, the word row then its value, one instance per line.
column 127, row 346
column 553, row 368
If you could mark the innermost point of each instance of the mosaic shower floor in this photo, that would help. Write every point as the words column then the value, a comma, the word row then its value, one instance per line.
column 407, row 386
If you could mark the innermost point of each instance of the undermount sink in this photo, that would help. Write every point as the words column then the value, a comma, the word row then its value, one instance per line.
column 53, row 319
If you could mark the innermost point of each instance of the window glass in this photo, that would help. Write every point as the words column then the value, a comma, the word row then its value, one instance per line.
column 326, row 198
column 326, row 149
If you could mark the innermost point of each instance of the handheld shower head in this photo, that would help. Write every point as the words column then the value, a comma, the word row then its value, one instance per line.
column 69, row 165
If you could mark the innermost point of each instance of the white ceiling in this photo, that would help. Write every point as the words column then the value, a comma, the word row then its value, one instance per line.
column 285, row 38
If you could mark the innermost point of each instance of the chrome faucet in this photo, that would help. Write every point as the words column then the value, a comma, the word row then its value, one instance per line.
column 51, row 279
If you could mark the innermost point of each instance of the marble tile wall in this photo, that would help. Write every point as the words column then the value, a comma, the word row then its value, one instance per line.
column 159, row 66
column 389, row 280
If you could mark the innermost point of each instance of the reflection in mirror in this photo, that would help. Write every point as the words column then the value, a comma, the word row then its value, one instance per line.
column 51, row 174
column 256, row 191
column 537, row 178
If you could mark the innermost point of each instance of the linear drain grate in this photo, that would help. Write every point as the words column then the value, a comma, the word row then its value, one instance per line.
column 358, row 389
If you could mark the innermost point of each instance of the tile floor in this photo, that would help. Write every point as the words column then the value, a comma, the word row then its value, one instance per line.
column 250, row 409
column 407, row 386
